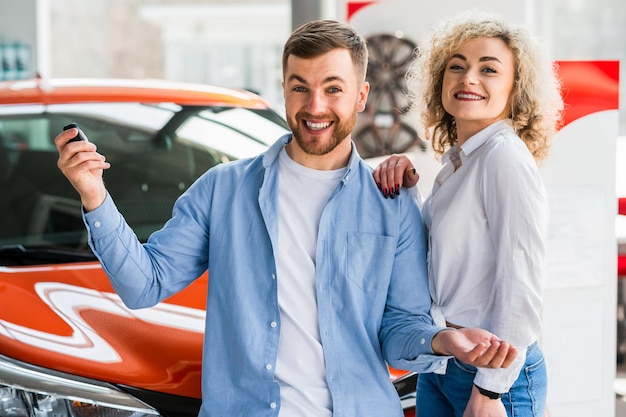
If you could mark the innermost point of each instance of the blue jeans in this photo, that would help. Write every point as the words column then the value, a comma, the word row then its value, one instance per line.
column 447, row 395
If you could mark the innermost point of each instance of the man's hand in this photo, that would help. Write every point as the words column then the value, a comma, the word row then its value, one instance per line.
column 476, row 347
column 481, row 406
column 83, row 167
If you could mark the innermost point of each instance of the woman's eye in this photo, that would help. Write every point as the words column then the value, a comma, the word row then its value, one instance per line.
column 489, row 70
column 456, row 67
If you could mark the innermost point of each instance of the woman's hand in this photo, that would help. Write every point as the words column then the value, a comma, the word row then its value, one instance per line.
column 476, row 347
column 394, row 172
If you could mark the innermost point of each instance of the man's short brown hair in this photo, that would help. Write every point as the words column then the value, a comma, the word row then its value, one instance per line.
column 321, row 36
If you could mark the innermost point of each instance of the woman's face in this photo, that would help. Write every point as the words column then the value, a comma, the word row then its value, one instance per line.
column 477, row 84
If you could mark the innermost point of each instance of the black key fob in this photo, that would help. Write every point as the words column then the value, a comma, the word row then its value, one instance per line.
column 79, row 136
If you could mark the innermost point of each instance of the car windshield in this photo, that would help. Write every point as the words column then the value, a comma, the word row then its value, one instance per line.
column 156, row 152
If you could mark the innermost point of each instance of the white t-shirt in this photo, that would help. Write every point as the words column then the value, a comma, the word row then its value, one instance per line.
column 300, row 370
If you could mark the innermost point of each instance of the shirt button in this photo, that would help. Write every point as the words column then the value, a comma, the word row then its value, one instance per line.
column 273, row 276
column 423, row 341
column 273, row 324
column 97, row 224
column 268, row 366
column 272, row 404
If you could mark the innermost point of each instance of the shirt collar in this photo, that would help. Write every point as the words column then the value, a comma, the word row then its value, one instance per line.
column 273, row 151
column 476, row 141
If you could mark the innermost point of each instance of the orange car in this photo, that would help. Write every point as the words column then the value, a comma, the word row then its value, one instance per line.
column 68, row 345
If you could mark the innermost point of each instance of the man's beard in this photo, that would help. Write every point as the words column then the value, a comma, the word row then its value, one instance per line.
column 315, row 146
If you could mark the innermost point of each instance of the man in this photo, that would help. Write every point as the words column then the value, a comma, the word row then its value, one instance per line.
column 316, row 280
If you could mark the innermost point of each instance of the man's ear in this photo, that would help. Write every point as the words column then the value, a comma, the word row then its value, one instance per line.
column 363, row 93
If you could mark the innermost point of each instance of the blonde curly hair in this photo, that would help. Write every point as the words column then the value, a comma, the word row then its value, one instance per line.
column 535, row 103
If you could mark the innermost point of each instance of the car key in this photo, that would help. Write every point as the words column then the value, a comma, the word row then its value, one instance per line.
column 79, row 136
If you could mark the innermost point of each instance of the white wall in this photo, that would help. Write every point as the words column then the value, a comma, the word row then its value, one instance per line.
column 234, row 45
column 415, row 17
column 580, row 299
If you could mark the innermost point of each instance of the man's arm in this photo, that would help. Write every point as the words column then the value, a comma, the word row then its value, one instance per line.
column 409, row 337
column 141, row 274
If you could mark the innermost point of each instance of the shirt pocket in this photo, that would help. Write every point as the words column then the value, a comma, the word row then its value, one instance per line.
column 370, row 260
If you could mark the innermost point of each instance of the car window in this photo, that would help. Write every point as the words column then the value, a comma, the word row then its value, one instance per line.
column 156, row 152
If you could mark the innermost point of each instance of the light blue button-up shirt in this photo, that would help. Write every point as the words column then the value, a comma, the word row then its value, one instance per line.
column 372, row 289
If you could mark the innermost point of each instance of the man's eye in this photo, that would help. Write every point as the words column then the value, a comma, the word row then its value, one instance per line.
column 334, row 89
column 299, row 89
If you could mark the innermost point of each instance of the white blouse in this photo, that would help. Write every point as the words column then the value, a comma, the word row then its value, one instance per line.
column 487, row 222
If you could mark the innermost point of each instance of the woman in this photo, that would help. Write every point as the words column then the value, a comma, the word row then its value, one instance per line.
column 489, row 103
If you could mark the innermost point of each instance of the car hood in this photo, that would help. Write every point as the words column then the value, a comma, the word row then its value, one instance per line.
column 68, row 318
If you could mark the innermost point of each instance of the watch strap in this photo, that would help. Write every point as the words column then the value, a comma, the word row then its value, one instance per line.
column 489, row 394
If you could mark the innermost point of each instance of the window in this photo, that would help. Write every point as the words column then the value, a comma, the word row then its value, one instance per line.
column 156, row 152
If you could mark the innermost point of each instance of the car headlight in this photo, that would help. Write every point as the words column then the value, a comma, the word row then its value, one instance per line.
column 27, row 391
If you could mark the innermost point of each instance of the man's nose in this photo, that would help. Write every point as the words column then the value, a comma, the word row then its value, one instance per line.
column 317, row 102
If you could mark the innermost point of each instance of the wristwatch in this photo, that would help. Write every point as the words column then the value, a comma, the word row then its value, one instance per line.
column 489, row 394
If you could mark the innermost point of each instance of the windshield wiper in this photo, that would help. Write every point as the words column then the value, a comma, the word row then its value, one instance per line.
column 17, row 254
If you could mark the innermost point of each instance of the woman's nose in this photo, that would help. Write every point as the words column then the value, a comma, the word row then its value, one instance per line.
column 468, row 78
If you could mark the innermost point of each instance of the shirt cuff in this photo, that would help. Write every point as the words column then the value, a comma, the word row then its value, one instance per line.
column 102, row 221
column 501, row 380
column 424, row 363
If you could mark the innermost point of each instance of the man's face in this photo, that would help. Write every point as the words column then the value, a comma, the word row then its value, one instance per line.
column 322, row 98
